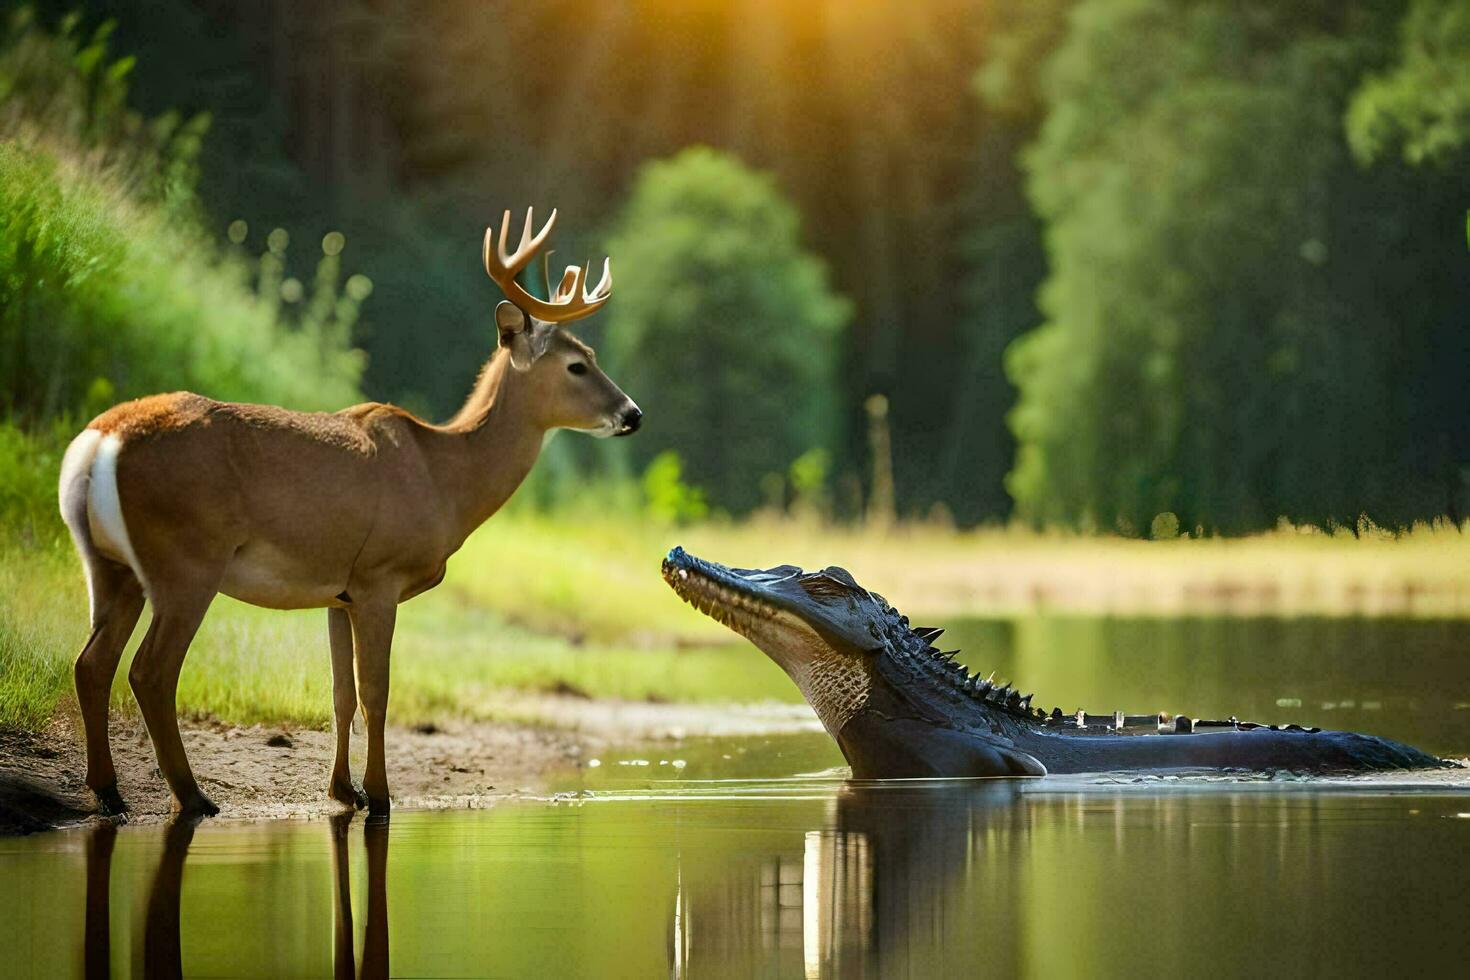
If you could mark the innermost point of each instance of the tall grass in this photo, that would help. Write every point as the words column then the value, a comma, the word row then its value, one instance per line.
column 101, row 297
column 109, row 286
column 251, row 665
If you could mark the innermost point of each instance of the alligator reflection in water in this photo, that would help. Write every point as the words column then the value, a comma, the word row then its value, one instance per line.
column 951, row 879
column 162, row 950
column 870, row 891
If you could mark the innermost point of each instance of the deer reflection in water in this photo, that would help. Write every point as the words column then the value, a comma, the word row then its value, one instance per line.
column 870, row 892
column 375, row 938
column 162, row 949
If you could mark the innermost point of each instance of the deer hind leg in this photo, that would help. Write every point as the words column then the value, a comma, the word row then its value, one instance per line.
column 344, row 707
column 375, row 960
column 154, row 677
column 343, row 955
column 372, row 635
column 117, row 601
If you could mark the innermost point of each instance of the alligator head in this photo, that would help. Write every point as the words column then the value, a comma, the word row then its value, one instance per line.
column 899, row 707
column 896, row 705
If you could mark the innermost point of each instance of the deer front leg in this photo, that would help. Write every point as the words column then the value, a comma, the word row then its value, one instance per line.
column 344, row 706
column 372, row 635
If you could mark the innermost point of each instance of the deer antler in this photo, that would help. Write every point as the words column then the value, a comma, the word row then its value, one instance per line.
column 565, row 304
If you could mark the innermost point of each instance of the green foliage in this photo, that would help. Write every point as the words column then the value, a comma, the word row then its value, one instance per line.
column 1420, row 106
column 666, row 496
column 106, row 277
column 808, row 478
column 1165, row 527
column 65, row 86
column 1023, row 35
column 1231, row 303
column 94, row 285
column 30, row 465
column 723, row 328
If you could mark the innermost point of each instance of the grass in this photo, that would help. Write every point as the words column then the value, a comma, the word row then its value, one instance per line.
column 249, row 665
column 587, row 575
column 589, row 613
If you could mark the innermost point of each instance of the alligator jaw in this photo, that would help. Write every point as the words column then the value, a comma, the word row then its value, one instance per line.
column 762, row 607
column 722, row 596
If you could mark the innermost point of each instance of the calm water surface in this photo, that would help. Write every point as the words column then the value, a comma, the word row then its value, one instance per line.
column 1404, row 679
column 804, row 878
column 752, row 857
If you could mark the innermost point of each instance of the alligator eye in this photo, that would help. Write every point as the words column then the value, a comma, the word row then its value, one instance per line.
column 824, row 586
column 839, row 574
column 577, row 367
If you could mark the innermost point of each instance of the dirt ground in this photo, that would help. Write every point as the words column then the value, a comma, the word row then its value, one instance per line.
column 281, row 771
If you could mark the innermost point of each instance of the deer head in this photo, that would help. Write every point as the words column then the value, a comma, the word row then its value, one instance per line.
column 569, row 389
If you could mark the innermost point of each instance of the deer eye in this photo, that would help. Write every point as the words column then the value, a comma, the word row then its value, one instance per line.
column 577, row 367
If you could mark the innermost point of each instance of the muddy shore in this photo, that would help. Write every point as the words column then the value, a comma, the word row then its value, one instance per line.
column 276, row 771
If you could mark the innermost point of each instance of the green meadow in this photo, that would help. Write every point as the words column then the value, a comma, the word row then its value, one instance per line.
column 560, row 603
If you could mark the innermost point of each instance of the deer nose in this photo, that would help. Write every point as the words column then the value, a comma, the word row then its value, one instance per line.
column 632, row 419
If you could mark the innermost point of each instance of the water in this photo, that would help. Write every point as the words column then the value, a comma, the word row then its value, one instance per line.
column 801, row 878
column 1402, row 679
column 752, row 857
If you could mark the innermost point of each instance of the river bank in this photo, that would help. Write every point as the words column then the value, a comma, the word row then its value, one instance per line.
column 280, row 771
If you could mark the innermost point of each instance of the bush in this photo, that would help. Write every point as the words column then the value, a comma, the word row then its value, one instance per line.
column 30, row 464
column 666, row 495
column 105, row 272
column 722, row 324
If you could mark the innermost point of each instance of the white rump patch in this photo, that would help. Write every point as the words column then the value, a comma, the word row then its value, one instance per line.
column 104, row 507
column 71, row 494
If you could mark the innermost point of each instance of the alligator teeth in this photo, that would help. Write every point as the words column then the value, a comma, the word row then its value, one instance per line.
column 1025, row 703
column 927, row 633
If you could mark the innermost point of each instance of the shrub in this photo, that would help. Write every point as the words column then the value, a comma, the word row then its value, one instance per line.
column 722, row 324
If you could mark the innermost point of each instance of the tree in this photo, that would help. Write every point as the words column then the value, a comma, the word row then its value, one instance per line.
column 1420, row 106
column 723, row 328
column 1237, row 318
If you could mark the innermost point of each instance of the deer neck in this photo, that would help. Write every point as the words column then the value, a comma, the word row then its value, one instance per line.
column 483, row 454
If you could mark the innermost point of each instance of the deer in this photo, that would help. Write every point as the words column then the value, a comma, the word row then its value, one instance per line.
column 177, row 498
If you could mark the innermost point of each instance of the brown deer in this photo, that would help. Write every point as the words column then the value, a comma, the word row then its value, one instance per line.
column 177, row 497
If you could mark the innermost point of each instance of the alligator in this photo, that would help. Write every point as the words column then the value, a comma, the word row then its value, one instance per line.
column 898, row 707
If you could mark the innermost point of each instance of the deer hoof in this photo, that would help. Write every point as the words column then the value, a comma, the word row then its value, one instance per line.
column 348, row 795
column 110, row 802
column 196, row 805
column 378, row 807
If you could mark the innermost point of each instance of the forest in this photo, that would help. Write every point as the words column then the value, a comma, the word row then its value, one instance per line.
column 1138, row 266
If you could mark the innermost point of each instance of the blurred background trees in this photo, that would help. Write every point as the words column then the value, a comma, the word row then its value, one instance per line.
column 727, row 330
column 1105, row 259
column 1240, row 322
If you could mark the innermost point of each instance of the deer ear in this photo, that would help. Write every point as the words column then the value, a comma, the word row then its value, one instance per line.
column 511, row 324
column 509, row 318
